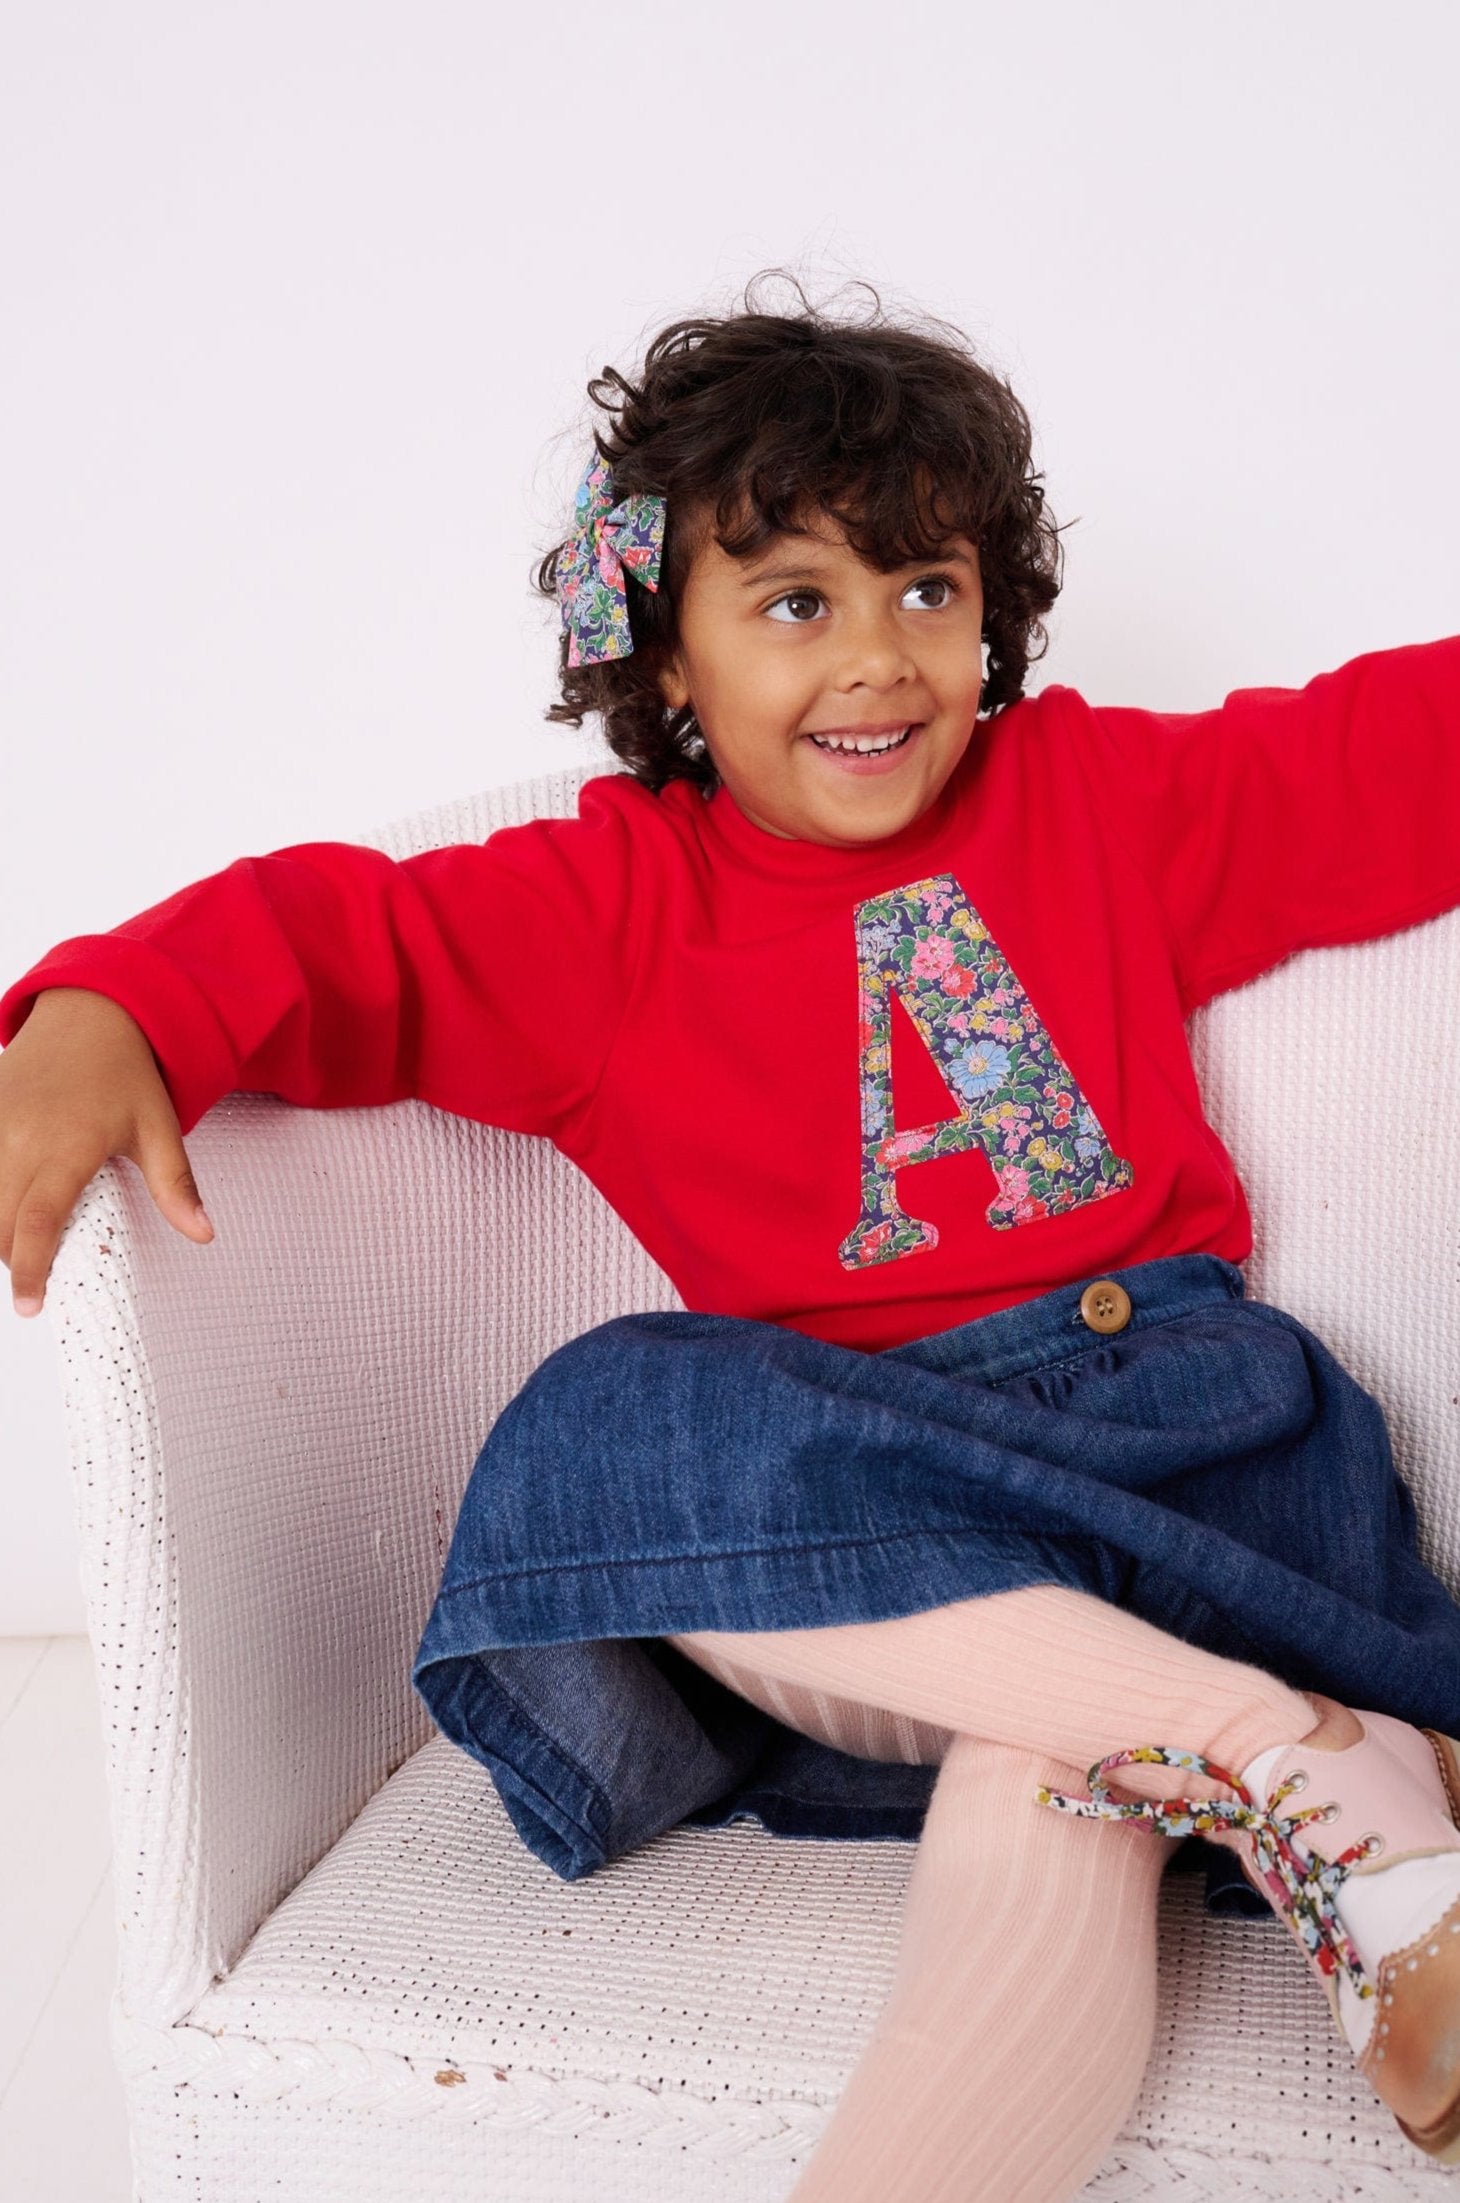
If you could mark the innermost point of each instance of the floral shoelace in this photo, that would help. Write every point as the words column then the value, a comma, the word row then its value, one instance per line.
column 1304, row 1889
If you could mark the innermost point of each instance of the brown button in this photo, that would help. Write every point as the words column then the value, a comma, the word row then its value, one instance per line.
column 1105, row 1305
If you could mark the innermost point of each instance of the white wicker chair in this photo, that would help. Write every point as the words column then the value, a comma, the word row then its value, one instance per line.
column 342, row 1975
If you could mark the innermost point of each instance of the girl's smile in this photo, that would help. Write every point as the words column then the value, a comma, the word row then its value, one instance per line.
column 865, row 749
column 834, row 699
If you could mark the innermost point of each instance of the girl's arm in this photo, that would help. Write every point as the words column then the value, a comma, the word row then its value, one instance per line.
column 1289, row 818
column 487, row 978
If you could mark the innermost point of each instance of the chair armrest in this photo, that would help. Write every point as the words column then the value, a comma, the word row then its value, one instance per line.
column 270, row 1436
column 1330, row 1081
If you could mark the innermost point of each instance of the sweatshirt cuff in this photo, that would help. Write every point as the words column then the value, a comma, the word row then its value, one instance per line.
column 191, row 1046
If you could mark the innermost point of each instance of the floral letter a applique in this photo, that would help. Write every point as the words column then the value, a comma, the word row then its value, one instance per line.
column 1016, row 1099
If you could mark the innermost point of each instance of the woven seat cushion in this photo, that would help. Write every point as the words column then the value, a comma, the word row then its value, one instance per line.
column 714, row 1989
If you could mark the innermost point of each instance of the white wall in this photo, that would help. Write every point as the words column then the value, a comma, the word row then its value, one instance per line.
column 300, row 300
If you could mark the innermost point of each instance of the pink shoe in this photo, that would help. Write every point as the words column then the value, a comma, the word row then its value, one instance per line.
column 1391, row 1798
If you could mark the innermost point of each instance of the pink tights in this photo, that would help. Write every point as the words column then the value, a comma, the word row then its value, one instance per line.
column 1016, row 2031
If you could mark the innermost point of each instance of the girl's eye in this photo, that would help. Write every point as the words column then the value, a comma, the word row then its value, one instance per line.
column 796, row 596
column 944, row 582
column 792, row 618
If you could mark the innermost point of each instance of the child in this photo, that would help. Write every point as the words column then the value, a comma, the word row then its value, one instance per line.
column 988, row 1467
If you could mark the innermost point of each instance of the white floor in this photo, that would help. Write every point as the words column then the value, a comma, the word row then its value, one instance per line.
column 63, row 2126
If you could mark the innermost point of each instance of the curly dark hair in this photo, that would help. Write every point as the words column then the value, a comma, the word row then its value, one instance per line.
column 753, row 423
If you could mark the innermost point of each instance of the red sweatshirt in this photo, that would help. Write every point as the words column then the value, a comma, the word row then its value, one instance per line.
column 863, row 1093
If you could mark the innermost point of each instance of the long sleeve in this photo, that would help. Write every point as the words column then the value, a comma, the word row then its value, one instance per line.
column 487, row 978
column 1290, row 818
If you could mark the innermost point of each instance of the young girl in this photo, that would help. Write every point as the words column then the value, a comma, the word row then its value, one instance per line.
column 861, row 996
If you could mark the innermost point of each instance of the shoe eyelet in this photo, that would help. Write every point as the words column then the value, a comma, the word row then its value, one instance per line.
column 1298, row 1779
column 1330, row 1812
column 1373, row 1842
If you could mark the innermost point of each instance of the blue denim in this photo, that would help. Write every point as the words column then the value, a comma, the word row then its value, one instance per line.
column 1210, row 1467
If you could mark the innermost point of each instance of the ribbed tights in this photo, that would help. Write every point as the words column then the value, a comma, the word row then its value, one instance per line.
column 1016, row 2031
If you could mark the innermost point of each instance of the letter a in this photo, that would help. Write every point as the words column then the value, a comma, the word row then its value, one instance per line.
column 1016, row 1098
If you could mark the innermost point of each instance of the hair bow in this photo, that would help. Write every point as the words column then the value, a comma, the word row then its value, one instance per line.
column 606, row 538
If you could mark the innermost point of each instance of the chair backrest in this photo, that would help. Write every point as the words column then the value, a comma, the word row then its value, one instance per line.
column 271, row 1435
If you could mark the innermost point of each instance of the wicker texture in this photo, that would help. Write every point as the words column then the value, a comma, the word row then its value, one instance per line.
column 323, row 1909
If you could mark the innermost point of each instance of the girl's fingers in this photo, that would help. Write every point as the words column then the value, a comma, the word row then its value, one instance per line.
column 163, row 1162
column 41, row 1217
column 45, row 1208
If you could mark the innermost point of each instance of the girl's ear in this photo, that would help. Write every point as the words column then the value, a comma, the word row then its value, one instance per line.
column 673, row 686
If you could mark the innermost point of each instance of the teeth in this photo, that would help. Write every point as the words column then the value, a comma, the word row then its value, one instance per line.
column 867, row 747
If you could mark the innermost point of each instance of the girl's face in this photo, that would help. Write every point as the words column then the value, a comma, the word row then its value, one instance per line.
column 807, row 640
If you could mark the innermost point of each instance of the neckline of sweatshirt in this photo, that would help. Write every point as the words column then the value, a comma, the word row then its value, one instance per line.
column 728, row 836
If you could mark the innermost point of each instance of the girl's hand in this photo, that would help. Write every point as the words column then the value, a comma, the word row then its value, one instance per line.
column 79, row 1083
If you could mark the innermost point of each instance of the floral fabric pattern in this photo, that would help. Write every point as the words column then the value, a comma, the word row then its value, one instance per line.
column 1016, row 1097
column 1300, row 1886
column 606, row 539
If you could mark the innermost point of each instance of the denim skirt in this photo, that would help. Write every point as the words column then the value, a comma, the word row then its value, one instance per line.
column 1209, row 1466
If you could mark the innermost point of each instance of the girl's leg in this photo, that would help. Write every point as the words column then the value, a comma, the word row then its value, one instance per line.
column 1014, row 2039
column 1016, row 2033
column 1042, row 1669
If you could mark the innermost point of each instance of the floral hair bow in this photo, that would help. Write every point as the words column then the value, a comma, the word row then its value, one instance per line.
column 606, row 538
